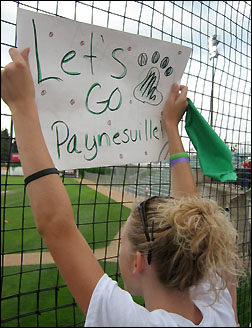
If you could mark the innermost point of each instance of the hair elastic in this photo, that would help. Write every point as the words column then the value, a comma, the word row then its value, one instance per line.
column 178, row 160
column 178, row 155
column 40, row 174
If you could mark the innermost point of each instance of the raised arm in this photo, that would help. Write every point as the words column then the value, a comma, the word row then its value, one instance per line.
column 182, row 181
column 49, row 200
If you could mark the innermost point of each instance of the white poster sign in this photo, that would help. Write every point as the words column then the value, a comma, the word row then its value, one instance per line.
column 99, row 92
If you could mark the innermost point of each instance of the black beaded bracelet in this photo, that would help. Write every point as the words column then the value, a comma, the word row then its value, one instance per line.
column 40, row 174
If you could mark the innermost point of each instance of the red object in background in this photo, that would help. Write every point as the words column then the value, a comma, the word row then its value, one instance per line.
column 15, row 157
column 247, row 164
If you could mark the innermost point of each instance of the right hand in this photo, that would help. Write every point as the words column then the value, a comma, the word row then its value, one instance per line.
column 17, row 87
column 175, row 106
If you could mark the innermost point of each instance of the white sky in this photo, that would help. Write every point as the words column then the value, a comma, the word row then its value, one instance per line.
column 233, row 74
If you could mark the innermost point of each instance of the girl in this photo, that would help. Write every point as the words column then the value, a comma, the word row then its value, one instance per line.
column 178, row 253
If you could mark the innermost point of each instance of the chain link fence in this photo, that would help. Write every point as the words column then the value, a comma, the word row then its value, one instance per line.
column 33, row 293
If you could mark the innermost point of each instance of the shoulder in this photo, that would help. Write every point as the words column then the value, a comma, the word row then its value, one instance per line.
column 204, row 292
column 111, row 306
column 220, row 311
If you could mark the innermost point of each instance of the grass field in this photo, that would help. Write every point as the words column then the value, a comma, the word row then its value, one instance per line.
column 244, row 302
column 97, row 217
column 42, row 290
column 29, row 289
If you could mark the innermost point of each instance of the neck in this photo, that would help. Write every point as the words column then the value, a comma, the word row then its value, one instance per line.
column 156, row 296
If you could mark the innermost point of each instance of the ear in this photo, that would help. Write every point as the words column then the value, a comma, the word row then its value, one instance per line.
column 140, row 263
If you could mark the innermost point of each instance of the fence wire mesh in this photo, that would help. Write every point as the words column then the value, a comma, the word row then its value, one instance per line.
column 32, row 290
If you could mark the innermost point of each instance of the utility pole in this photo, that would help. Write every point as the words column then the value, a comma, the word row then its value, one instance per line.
column 213, row 53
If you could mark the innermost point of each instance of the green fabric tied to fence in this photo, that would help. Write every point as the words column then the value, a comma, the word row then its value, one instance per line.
column 215, row 158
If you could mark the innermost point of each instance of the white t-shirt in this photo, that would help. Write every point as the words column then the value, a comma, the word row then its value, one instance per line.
column 111, row 306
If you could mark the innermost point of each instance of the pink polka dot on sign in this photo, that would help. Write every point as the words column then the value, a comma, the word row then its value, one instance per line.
column 129, row 48
column 43, row 92
column 72, row 102
column 51, row 34
column 180, row 52
column 109, row 122
column 82, row 43
column 121, row 156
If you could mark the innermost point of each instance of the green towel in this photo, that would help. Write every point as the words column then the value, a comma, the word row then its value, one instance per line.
column 214, row 156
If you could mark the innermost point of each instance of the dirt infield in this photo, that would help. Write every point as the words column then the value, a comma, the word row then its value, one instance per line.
column 109, row 192
column 110, row 253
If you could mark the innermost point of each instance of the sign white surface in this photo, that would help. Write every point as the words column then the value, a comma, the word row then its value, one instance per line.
column 99, row 92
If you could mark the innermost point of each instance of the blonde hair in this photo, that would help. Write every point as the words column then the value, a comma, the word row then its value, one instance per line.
column 193, row 239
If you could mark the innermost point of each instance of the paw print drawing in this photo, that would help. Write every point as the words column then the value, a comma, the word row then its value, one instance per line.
column 146, row 91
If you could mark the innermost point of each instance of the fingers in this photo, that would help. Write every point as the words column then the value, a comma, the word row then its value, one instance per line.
column 183, row 87
column 178, row 93
column 174, row 91
column 25, row 55
column 183, row 93
column 16, row 56
column 182, row 98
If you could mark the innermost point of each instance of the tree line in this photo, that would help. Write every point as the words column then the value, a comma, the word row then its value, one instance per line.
column 8, row 146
